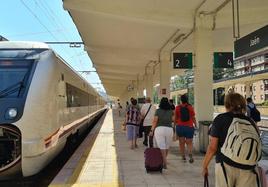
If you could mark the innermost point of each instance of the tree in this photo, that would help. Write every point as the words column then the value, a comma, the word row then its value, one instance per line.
column 220, row 73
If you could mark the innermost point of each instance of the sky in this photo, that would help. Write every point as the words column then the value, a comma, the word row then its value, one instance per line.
column 46, row 21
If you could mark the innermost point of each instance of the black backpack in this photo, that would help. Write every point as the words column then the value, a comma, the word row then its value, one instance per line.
column 255, row 114
column 185, row 114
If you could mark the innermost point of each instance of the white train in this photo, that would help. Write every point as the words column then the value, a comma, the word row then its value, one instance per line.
column 43, row 101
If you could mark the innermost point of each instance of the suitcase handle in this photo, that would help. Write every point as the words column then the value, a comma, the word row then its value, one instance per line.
column 206, row 184
column 151, row 141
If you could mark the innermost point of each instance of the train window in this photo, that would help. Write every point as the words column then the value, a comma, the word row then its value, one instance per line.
column 76, row 97
column 14, row 76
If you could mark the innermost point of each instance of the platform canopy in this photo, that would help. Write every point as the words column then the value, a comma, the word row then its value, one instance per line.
column 122, row 37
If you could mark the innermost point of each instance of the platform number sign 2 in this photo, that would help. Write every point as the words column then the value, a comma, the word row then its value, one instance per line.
column 177, row 63
column 182, row 60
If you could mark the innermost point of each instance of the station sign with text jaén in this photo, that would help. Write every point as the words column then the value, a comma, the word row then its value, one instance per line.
column 251, row 42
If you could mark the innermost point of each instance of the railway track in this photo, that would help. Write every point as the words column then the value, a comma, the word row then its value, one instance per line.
column 44, row 178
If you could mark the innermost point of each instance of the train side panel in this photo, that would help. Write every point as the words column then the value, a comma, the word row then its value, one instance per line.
column 50, row 121
column 58, row 104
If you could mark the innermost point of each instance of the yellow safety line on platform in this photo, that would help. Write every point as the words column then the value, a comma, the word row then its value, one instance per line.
column 78, row 169
column 73, row 180
column 82, row 161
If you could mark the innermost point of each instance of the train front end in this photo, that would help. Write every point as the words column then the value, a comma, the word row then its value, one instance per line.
column 16, row 70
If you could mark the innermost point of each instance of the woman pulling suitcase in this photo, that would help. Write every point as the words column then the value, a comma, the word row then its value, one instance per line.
column 162, row 128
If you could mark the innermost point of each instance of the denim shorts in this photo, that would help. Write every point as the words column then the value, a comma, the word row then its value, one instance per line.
column 185, row 131
column 132, row 132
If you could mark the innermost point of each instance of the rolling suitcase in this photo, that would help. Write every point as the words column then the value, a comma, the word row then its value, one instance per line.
column 153, row 158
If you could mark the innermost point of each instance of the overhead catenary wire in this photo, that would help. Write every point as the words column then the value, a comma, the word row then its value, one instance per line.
column 36, row 17
column 41, row 23
column 52, row 16
column 38, row 33
column 49, row 17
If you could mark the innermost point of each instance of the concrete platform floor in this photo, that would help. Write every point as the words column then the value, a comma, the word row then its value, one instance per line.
column 105, row 160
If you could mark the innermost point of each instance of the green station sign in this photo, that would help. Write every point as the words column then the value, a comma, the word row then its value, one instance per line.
column 182, row 60
column 223, row 60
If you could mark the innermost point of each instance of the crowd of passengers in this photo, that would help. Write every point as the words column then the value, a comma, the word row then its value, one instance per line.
column 235, row 165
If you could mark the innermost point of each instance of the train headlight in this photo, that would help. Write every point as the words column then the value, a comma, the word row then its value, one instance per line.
column 11, row 113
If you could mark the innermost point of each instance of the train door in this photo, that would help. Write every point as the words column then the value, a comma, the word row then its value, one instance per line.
column 62, row 100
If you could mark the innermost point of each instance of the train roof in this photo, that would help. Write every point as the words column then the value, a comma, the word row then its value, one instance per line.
column 23, row 45
column 39, row 45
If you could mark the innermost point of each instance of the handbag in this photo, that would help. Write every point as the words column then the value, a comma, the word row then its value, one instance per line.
column 141, row 129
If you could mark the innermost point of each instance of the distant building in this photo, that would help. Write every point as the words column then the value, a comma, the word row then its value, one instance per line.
column 253, row 64
column 257, row 90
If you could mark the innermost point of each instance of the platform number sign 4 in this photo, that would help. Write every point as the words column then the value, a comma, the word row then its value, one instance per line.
column 223, row 60
column 182, row 60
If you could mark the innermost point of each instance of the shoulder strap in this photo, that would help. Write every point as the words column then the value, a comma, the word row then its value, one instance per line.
column 147, row 111
column 254, row 106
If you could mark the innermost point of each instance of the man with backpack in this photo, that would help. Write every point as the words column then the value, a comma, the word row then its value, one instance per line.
column 252, row 111
column 185, row 122
column 235, row 140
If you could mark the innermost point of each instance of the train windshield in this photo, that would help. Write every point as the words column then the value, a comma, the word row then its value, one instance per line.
column 14, row 75
column 15, row 70
column 20, row 53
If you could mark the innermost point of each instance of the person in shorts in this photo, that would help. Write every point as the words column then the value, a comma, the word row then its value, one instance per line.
column 185, row 123
column 133, row 117
column 162, row 128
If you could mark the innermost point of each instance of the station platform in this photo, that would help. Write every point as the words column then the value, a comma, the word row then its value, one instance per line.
column 104, row 159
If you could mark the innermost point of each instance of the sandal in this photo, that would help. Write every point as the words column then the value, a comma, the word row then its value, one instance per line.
column 191, row 160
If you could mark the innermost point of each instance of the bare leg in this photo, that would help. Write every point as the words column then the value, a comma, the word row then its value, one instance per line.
column 167, row 152
column 135, row 136
column 136, row 146
column 164, row 155
column 182, row 146
column 131, row 145
column 189, row 143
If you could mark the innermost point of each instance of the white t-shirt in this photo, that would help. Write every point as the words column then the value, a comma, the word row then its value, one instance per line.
column 148, row 121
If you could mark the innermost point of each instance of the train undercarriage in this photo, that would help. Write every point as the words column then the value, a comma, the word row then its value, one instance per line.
column 10, row 151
